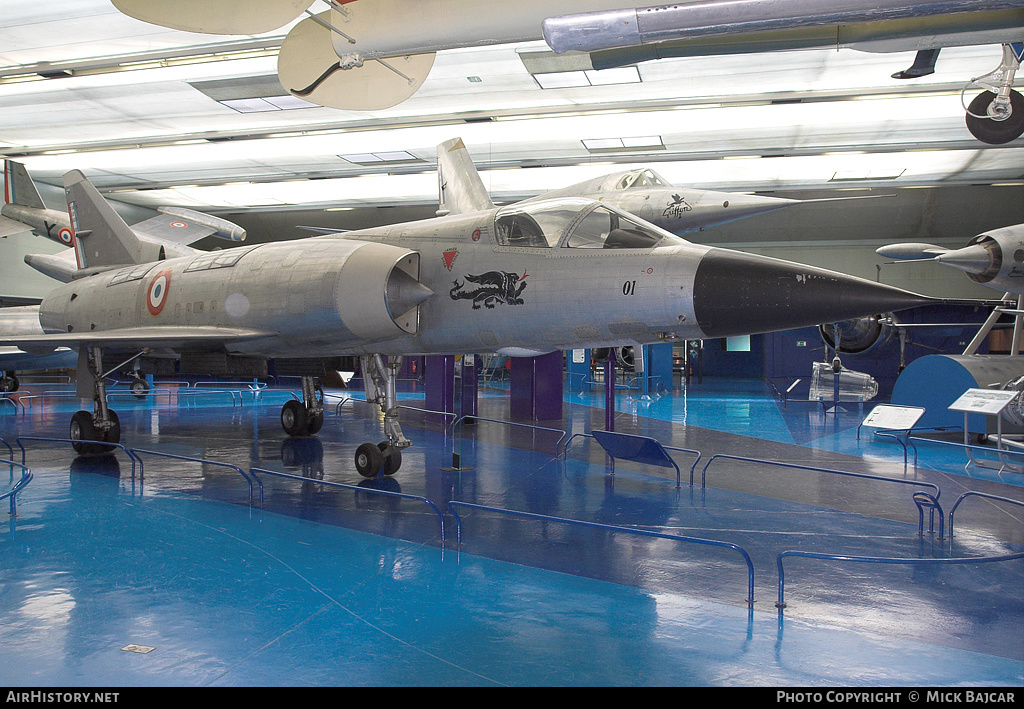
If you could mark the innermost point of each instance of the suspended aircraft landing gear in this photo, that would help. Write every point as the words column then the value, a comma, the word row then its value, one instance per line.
column 306, row 417
column 996, row 116
column 9, row 382
column 379, row 378
column 91, row 430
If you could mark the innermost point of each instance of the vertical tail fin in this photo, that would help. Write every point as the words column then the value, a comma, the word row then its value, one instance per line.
column 101, row 237
column 459, row 185
column 19, row 187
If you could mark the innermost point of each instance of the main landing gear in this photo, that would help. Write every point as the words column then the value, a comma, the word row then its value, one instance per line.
column 306, row 417
column 385, row 457
column 8, row 382
column 90, row 430
column 996, row 116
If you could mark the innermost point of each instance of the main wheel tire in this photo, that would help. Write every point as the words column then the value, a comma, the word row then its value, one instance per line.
column 294, row 418
column 392, row 457
column 989, row 130
column 112, row 434
column 315, row 423
column 84, row 434
column 369, row 460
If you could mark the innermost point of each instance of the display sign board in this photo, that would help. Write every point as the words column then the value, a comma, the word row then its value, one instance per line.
column 984, row 401
column 895, row 418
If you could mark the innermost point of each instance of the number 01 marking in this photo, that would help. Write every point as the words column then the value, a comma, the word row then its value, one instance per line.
column 629, row 288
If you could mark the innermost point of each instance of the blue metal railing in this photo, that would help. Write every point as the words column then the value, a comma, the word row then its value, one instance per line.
column 460, row 419
column 972, row 493
column 608, row 528
column 128, row 451
column 174, row 456
column 882, row 560
column 933, row 499
column 967, row 448
column 12, row 494
column 354, row 488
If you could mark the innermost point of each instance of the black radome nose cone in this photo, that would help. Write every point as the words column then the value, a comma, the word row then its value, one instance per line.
column 739, row 294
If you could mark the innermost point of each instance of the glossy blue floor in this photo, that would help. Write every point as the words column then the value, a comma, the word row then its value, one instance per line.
column 274, row 564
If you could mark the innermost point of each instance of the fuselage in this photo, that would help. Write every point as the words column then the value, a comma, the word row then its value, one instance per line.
column 527, row 278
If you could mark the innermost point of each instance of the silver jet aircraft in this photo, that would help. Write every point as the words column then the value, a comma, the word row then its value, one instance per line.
column 520, row 280
column 641, row 192
column 162, row 236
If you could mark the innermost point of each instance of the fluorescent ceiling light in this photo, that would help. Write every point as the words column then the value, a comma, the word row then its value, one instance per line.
column 381, row 157
column 590, row 77
column 603, row 145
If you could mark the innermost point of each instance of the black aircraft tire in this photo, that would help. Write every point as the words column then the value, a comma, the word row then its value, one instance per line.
column 315, row 423
column 83, row 429
column 991, row 131
column 392, row 456
column 112, row 434
column 368, row 460
column 294, row 418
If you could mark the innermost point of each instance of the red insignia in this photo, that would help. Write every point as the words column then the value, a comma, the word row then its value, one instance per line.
column 449, row 258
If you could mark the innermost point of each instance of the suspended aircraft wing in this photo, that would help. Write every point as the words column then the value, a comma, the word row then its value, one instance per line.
column 186, row 226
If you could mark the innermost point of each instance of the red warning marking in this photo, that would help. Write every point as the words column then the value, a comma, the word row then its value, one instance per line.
column 476, row 235
column 449, row 258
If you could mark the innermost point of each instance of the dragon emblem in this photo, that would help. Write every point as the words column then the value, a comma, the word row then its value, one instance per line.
column 676, row 207
column 490, row 288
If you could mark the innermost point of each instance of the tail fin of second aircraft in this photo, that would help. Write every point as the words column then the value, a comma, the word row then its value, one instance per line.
column 102, row 239
column 459, row 185
column 19, row 187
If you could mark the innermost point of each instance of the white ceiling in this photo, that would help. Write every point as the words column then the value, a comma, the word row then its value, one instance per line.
column 796, row 120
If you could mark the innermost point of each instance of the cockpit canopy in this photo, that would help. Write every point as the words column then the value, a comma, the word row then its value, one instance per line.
column 576, row 224
column 641, row 180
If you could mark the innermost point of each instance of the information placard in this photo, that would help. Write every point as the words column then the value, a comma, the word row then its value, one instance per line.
column 984, row 401
column 896, row 418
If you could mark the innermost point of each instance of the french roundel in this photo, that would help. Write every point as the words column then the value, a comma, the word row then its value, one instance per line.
column 64, row 235
column 156, row 294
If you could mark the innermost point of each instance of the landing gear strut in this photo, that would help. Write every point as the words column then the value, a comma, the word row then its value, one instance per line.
column 91, row 430
column 379, row 378
column 996, row 116
column 306, row 417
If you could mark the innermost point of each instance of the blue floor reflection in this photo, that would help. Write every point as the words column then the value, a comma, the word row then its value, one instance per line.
column 323, row 585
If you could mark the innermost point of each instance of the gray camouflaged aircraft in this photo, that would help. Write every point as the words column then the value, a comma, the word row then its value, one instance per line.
column 521, row 280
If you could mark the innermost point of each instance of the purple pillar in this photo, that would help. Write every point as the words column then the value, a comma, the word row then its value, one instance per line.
column 439, row 384
column 537, row 387
column 467, row 386
column 609, row 391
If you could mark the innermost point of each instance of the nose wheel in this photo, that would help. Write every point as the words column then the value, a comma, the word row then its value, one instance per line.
column 372, row 460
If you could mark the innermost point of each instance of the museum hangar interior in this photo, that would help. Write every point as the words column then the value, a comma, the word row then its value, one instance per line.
column 561, row 517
